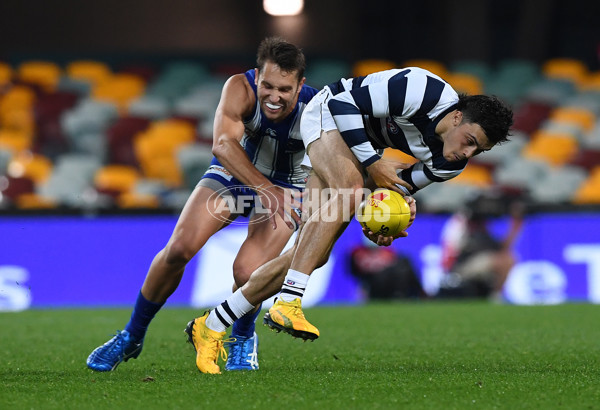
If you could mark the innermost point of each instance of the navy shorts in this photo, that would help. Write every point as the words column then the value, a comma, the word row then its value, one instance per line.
column 245, row 199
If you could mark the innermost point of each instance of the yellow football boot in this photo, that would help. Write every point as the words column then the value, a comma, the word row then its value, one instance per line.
column 208, row 344
column 288, row 316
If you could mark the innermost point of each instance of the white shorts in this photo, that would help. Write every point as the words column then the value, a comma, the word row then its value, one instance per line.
column 315, row 119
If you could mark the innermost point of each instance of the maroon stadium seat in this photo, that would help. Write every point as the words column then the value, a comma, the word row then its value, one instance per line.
column 120, row 139
column 529, row 116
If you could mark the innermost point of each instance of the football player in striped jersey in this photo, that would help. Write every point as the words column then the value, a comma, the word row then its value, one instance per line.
column 344, row 129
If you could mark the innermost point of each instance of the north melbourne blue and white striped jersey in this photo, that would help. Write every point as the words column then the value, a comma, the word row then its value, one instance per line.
column 397, row 108
column 276, row 149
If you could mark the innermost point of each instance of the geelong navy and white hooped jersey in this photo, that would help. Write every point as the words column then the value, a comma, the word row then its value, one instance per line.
column 276, row 149
column 397, row 108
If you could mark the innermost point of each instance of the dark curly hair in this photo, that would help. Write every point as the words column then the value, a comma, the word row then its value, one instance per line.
column 493, row 115
column 286, row 55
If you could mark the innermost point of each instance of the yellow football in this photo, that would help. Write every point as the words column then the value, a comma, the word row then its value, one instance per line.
column 384, row 212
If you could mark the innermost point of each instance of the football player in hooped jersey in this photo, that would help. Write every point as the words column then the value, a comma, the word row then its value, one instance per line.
column 343, row 127
column 257, row 153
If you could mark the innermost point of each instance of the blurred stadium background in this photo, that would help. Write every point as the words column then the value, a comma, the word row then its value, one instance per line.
column 106, row 113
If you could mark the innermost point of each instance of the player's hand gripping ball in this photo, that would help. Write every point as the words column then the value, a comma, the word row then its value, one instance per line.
column 384, row 212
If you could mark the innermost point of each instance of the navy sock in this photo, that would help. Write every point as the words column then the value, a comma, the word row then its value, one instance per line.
column 245, row 325
column 142, row 315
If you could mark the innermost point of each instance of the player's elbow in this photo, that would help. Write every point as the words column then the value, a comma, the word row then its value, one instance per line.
column 221, row 146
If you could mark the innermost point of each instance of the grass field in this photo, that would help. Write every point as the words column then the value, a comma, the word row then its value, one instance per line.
column 378, row 356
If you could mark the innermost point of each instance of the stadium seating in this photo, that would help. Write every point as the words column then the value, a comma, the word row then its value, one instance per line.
column 6, row 74
column 156, row 148
column 366, row 67
column 505, row 152
column 46, row 74
column 511, row 79
column 71, row 181
column 63, row 128
column 586, row 158
column 554, row 148
column 591, row 83
column 119, row 89
column 193, row 160
column 15, row 140
column 445, row 197
column 152, row 108
column 465, row 83
column 93, row 72
column 558, row 185
column 530, row 114
column 475, row 175
column 568, row 69
column 129, row 200
column 5, row 157
column 436, row 67
column 589, row 191
column 116, row 179
column 13, row 187
column 325, row 71
column 120, row 136
column 31, row 165
column 475, row 68
column 521, row 173
column 582, row 118
column 397, row 155
column 18, row 97
column 33, row 201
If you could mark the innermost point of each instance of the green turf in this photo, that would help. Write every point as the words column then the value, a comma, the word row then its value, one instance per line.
column 379, row 356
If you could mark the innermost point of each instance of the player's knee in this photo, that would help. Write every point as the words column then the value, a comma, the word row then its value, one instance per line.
column 241, row 273
column 178, row 253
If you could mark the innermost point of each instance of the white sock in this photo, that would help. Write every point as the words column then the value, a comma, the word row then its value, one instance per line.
column 294, row 285
column 223, row 316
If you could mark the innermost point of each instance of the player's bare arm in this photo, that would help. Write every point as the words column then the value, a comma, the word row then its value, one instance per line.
column 237, row 101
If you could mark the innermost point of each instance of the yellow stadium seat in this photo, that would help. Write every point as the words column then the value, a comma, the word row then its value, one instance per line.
column 434, row 66
column 397, row 155
column 465, row 83
column 15, row 141
column 18, row 97
column 94, row 72
column 6, row 74
column 43, row 73
column 37, row 167
column 165, row 169
column 156, row 149
column 366, row 67
column 591, row 82
column 553, row 148
column 120, row 178
column 16, row 109
column 120, row 89
column 157, row 159
column 132, row 200
column 475, row 175
column 583, row 118
column 565, row 69
column 18, row 119
column 173, row 129
column 589, row 192
column 34, row 201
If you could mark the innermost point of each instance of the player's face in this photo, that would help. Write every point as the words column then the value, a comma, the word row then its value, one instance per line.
column 277, row 91
column 464, row 141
